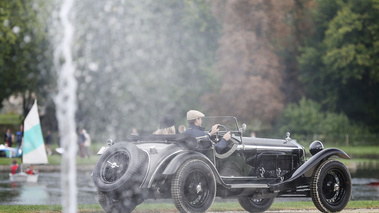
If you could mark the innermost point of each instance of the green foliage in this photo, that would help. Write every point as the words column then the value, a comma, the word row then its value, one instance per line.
column 10, row 119
column 306, row 118
column 339, row 63
column 24, row 64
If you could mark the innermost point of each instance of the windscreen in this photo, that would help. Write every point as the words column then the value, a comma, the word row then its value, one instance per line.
column 228, row 121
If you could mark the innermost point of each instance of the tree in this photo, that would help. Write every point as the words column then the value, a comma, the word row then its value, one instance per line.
column 307, row 119
column 24, row 60
column 339, row 62
column 249, row 69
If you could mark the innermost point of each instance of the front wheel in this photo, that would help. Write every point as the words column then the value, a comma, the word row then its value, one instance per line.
column 193, row 188
column 255, row 205
column 331, row 186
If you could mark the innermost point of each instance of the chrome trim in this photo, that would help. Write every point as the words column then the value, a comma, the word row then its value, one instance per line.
column 262, row 147
column 249, row 186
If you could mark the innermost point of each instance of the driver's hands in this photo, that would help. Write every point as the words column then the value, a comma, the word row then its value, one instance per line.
column 214, row 129
column 227, row 136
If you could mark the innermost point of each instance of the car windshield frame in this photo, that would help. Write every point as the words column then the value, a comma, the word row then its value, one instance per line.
column 229, row 122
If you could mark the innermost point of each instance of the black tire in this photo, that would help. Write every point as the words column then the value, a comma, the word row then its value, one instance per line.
column 114, row 202
column 331, row 186
column 122, row 167
column 255, row 205
column 104, row 201
column 193, row 187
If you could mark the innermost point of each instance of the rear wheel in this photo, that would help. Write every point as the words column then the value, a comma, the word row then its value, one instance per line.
column 113, row 202
column 331, row 186
column 193, row 188
column 255, row 205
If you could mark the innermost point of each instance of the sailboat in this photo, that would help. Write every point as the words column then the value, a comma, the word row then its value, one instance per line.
column 33, row 146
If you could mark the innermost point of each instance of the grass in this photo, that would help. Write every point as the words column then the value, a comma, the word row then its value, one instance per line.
column 14, row 119
column 169, row 207
column 55, row 159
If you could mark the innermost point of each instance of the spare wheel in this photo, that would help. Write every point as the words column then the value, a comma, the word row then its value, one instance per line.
column 122, row 166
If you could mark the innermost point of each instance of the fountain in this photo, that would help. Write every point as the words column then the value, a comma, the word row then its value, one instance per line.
column 65, row 102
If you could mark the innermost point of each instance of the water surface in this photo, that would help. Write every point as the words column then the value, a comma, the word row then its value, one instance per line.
column 48, row 190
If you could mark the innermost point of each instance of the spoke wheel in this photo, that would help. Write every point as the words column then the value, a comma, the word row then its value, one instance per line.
column 115, row 166
column 118, row 175
column 331, row 186
column 193, row 187
column 120, row 168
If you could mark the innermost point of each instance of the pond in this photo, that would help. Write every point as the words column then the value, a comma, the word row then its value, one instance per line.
column 47, row 191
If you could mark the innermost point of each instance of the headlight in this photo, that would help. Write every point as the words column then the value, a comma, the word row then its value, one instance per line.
column 315, row 147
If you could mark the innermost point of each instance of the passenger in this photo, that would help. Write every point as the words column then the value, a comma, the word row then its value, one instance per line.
column 14, row 167
column 134, row 132
column 181, row 128
column 166, row 127
column 194, row 129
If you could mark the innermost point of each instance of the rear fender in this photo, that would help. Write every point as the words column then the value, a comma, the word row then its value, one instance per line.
column 316, row 159
column 175, row 163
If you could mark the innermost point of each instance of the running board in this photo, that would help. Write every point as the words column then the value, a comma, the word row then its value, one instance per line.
column 248, row 186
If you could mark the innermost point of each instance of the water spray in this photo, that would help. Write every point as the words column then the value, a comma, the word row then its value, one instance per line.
column 66, row 107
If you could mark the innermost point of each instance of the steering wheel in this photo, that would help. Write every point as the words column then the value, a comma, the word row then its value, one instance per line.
column 217, row 137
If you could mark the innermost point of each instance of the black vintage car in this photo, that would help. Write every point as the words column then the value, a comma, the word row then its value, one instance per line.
column 189, row 170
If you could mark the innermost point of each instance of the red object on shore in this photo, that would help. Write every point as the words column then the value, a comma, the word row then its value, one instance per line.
column 373, row 184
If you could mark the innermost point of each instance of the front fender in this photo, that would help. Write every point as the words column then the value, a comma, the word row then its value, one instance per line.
column 315, row 159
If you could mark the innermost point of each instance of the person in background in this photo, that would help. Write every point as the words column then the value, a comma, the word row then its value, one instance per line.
column 194, row 129
column 166, row 127
column 87, row 143
column 14, row 167
column 59, row 140
column 48, row 142
column 19, row 136
column 30, row 170
column 81, row 140
column 8, row 138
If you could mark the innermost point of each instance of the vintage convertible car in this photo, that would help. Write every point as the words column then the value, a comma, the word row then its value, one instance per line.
column 189, row 170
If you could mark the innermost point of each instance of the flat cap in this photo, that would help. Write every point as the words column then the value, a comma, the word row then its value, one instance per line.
column 193, row 114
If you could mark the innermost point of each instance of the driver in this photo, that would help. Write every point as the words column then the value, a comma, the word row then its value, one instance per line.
column 195, row 130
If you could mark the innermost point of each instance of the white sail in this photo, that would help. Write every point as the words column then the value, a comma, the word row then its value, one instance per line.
column 33, row 147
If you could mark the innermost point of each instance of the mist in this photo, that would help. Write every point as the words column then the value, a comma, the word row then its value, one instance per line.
column 136, row 61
